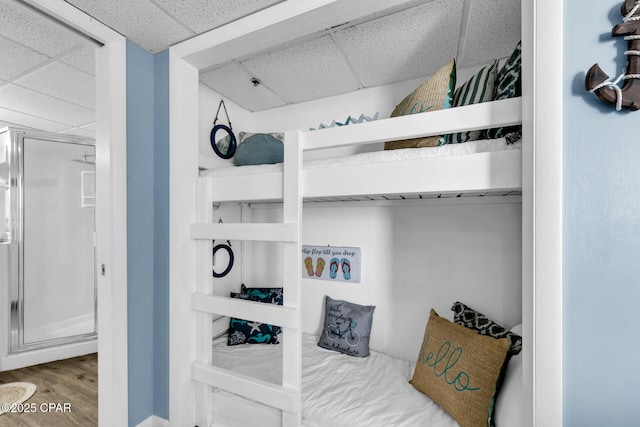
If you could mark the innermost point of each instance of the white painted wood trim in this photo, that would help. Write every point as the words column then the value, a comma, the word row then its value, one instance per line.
column 111, row 182
column 204, row 320
column 183, row 175
column 472, row 117
column 154, row 421
column 244, row 309
column 292, row 334
column 111, row 207
column 542, row 29
column 44, row 355
column 258, row 390
column 471, row 173
column 253, row 232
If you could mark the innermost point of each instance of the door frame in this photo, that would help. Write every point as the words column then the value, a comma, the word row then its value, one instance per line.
column 111, row 207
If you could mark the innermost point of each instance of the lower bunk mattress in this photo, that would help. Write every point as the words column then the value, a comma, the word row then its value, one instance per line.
column 337, row 390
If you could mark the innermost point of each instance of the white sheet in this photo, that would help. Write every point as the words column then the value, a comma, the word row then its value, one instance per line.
column 339, row 390
column 480, row 146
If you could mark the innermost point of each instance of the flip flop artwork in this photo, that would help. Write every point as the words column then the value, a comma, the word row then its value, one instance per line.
column 343, row 263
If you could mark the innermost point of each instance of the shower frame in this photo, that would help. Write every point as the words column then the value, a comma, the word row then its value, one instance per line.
column 16, row 344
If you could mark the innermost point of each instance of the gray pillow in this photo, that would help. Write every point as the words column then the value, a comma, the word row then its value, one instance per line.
column 347, row 327
column 260, row 149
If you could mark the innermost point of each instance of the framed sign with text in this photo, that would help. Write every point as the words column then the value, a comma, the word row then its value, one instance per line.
column 332, row 263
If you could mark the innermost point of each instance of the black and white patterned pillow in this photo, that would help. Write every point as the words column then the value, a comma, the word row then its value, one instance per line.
column 471, row 319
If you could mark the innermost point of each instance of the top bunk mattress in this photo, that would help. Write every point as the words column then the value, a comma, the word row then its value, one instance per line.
column 475, row 168
column 375, row 157
column 340, row 390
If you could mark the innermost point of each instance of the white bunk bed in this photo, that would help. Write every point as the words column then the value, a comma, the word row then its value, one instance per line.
column 491, row 168
column 482, row 167
column 536, row 172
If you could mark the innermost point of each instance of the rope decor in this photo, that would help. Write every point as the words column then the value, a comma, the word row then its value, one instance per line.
column 609, row 91
column 232, row 138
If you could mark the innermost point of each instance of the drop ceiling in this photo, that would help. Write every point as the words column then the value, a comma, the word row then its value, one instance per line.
column 47, row 74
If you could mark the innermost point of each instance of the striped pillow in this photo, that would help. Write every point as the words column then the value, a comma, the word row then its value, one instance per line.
column 478, row 88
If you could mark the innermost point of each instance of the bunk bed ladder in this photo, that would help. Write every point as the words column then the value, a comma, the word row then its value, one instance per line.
column 209, row 307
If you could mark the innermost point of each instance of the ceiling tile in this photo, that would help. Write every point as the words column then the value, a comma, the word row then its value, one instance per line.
column 233, row 82
column 311, row 70
column 83, row 59
column 64, row 82
column 405, row 45
column 16, row 58
column 31, row 29
column 16, row 98
column 141, row 22
column 204, row 15
column 492, row 32
column 18, row 119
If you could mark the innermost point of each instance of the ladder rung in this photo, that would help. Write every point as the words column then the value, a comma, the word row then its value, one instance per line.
column 285, row 317
column 262, row 391
column 257, row 232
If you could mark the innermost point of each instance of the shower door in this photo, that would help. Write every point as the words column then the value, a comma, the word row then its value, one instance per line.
column 54, row 296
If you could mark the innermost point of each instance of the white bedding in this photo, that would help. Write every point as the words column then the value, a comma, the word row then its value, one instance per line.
column 340, row 390
column 479, row 146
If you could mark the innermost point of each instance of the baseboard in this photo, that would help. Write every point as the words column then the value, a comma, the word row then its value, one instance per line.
column 154, row 421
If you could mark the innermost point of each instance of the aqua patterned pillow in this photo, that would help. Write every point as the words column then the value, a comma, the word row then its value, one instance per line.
column 248, row 332
column 271, row 295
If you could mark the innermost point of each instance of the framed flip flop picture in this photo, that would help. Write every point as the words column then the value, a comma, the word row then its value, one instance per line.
column 332, row 263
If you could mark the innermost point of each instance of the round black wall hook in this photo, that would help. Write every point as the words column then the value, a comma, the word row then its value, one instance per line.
column 226, row 247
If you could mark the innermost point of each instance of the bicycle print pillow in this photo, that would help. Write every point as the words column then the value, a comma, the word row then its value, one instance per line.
column 347, row 327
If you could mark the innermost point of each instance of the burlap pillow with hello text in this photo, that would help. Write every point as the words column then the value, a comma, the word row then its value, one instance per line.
column 459, row 369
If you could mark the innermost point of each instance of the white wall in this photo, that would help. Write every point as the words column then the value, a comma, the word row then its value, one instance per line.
column 414, row 257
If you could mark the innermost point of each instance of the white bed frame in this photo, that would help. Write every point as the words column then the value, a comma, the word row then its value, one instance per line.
column 536, row 171
column 479, row 173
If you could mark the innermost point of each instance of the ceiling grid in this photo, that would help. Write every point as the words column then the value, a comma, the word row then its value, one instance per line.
column 55, row 66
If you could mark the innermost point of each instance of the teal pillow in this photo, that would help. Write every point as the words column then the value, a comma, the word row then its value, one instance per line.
column 260, row 149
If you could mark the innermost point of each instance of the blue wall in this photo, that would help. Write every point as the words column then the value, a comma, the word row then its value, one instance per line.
column 601, row 229
column 147, row 233
column 161, row 236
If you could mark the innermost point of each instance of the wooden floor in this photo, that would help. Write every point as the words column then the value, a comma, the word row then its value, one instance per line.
column 73, row 382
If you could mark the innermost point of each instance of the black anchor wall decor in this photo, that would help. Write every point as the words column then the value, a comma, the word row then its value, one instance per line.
column 596, row 81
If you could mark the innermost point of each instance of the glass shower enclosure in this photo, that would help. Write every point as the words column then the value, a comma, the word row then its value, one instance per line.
column 47, row 246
